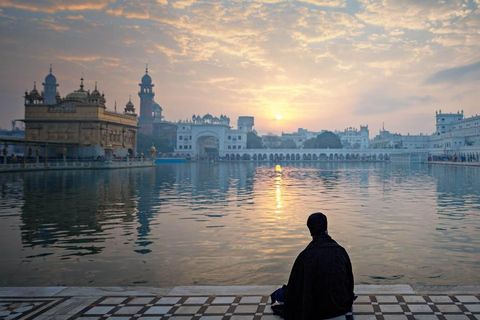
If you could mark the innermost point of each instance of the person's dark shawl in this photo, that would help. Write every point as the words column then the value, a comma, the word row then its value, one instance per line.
column 321, row 282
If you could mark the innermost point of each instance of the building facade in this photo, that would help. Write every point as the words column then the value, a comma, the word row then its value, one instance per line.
column 386, row 139
column 352, row 138
column 453, row 131
column 80, row 120
column 208, row 136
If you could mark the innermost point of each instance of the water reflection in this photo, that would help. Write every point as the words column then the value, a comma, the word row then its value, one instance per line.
column 65, row 210
column 278, row 188
column 183, row 224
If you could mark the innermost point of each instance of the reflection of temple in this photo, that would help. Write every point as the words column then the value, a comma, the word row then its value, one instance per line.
column 79, row 121
column 148, row 197
column 76, row 210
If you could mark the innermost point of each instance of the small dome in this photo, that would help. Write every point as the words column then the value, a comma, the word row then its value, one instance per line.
column 76, row 95
column 50, row 79
column 34, row 92
column 156, row 106
column 95, row 93
column 146, row 79
column 207, row 116
column 79, row 95
column 129, row 105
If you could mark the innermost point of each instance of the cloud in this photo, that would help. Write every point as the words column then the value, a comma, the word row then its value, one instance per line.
column 181, row 4
column 410, row 14
column 465, row 73
column 376, row 103
column 79, row 17
column 53, row 6
column 389, row 98
column 326, row 3
column 88, row 58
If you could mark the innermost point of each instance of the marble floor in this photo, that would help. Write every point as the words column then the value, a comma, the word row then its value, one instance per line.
column 396, row 302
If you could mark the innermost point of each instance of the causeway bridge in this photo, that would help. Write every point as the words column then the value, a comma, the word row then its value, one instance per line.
column 314, row 154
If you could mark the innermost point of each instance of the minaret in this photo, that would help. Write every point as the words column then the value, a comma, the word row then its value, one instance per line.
column 50, row 88
column 146, row 95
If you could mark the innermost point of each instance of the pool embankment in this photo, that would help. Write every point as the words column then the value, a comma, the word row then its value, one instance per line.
column 452, row 163
column 227, row 302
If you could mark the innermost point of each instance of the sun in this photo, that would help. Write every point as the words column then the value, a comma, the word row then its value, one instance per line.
column 279, row 117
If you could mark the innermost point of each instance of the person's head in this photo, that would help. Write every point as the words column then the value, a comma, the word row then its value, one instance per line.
column 317, row 224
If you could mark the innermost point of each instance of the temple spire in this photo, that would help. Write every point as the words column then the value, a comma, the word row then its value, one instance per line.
column 81, row 83
column 146, row 68
column 50, row 68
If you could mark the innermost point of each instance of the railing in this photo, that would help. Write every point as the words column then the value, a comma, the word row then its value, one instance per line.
column 76, row 164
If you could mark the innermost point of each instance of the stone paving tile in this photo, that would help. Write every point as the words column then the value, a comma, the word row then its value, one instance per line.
column 168, row 300
column 414, row 299
column 246, row 309
column 467, row 299
column 113, row 300
column 372, row 306
column 196, row 300
column 223, row 300
column 246, row 300
column 141, row 300
column 420, row 308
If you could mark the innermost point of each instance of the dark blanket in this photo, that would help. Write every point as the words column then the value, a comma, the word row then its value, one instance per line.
column 321, row 282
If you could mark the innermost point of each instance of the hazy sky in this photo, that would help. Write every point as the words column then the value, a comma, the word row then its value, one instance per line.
column 317, row 64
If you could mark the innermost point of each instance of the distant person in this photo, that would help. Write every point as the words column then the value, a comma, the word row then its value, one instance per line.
column 321, row 282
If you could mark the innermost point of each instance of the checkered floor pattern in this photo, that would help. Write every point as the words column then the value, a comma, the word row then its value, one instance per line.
column 366, row 307
column 379, row 307
column 26, row 308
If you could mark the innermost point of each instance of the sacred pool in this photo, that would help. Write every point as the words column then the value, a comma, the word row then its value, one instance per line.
column 237, row 223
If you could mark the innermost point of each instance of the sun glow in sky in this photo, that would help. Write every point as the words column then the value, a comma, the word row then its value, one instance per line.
column 316, row 64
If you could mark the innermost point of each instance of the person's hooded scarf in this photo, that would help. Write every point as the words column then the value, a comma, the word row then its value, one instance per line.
column 321, row 282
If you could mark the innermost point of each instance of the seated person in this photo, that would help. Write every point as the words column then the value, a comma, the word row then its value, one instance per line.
column 321, row 282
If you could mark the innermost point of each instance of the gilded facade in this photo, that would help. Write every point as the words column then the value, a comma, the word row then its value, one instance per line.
column 80, row 120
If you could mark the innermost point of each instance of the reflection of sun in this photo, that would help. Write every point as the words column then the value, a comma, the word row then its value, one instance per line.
column 278, row 187
column 279, row 117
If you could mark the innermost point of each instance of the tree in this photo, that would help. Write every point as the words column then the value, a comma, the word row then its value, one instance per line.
column 271, row 140
column 254, row 141
column 310, row 143
column 328, row 139
column 288, row 144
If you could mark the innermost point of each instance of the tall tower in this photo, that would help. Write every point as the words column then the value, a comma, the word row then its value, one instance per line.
column 50, row 88
column 146, row 95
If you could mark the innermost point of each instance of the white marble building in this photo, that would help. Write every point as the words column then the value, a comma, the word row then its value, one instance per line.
column 352, row 138
column 453, row 131
column 386, row 139
column 208, row 136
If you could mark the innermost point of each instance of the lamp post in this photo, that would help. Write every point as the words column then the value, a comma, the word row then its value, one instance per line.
column 153, row 151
